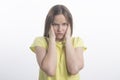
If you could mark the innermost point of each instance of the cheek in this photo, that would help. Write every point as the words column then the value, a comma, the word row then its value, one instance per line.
column 55, row 30
column 65, row 29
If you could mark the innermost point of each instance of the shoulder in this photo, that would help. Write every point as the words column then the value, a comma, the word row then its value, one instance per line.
column 77, row 42
column 40, row 38
column 40, row 41
column 76, row 39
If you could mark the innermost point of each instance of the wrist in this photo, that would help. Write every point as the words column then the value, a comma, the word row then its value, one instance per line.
column 68, row 41
column 51, row 39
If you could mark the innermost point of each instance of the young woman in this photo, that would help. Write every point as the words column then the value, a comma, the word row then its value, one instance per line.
column 59, row 55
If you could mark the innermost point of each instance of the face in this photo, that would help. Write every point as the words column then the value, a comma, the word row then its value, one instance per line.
column 60, row 25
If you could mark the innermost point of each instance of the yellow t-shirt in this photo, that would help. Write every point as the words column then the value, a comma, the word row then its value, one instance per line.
column 61, row 72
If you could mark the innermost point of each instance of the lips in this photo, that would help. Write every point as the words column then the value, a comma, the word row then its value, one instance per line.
column 60, row 33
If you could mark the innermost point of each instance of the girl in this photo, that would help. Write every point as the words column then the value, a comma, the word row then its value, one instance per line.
column 59, row 55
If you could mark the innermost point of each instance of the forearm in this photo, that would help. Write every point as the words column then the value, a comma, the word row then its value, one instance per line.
column 71, row 58
column 50, row 61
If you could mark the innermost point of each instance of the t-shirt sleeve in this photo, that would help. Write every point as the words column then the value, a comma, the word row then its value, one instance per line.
column 38, row 41
column 78, row 42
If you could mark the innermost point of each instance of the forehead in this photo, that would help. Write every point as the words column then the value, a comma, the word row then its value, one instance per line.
column 60, row 19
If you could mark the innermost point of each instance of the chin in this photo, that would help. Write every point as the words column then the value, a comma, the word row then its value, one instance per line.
column 59, row 38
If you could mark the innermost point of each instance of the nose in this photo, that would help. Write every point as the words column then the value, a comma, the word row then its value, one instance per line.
column 60, row 28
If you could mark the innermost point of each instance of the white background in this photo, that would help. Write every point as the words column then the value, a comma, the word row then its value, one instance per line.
column 97, row 22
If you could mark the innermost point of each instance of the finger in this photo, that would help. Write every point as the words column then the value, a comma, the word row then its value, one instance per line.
column 52, row 30
column 69, row 29
column 51, row 27
column 52, row 34
column 68, row 32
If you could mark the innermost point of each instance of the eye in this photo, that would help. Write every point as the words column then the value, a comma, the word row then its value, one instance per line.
column 65, row 24
column 54, row 24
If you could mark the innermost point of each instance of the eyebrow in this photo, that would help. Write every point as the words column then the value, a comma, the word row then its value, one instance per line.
column 62, row 23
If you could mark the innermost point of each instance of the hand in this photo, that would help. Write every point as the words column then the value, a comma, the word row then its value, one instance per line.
column 68, row 32
column 51, row 33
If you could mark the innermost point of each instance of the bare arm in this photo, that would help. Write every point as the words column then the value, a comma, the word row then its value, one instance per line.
column 47, row 60
column 74, row 58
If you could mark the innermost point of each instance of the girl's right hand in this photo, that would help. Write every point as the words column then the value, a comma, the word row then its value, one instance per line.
column 52, row 33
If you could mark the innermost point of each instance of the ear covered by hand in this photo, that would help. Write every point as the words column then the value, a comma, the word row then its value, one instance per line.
column 68, row 32
column 51, row 33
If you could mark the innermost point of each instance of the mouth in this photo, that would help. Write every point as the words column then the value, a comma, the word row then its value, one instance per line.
column 59, row 33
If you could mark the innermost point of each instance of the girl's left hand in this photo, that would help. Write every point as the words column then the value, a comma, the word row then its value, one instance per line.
column 68, row 32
